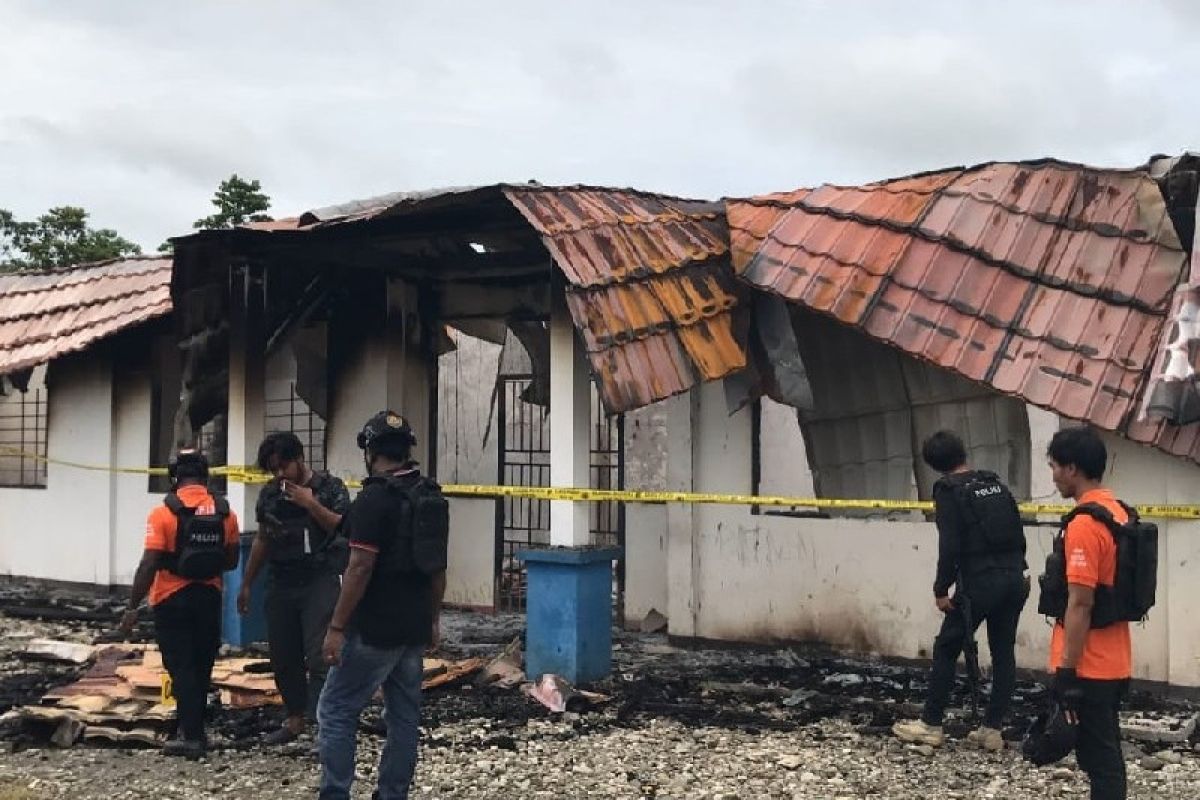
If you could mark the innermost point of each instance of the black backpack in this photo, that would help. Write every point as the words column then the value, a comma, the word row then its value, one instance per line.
column 199, row 540
column 423, row 534
column 993, row 520
column 1132, row 594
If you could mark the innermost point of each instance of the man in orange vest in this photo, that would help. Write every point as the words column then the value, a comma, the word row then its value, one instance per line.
column 191, row 539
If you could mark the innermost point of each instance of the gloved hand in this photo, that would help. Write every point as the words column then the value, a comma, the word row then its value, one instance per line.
column 1067, row 691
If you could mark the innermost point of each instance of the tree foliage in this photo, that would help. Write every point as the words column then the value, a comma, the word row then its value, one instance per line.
column 59, row 238
column 237, row 201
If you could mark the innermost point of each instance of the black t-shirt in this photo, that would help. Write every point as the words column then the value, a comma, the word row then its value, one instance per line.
column 331, row 493
column 397, row 607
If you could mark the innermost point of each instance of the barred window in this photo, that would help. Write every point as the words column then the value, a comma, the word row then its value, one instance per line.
column 23, row 430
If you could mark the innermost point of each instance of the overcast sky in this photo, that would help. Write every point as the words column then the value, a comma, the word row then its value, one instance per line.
column 137, row 109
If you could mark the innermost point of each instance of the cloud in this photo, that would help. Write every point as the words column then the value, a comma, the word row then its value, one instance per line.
column 136, row 110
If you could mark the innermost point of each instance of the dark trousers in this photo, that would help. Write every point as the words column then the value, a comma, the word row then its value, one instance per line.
column 997, row 597
column 1098, row 748
column 187, row 626
column 298, row 614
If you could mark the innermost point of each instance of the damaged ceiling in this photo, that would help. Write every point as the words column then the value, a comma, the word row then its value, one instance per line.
column 649, row 283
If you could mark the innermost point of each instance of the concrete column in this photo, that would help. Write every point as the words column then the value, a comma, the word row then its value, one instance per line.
column 569, row 616
column 570, row 425
column 682, row 553
column 407, row 374
column 247, row 382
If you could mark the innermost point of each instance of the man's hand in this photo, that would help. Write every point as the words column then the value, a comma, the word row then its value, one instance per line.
column 331, row 650
column 128, row 622
column 1068, row 692
column 944, row 604
column 243, row 600
column 300, row 495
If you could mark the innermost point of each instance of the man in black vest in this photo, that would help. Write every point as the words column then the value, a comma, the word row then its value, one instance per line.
column 387, row 612
column 299, row 514
column 981, row 553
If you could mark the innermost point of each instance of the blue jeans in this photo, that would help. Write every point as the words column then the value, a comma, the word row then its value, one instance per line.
column 350, row 686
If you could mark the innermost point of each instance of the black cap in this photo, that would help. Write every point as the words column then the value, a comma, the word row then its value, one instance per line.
column 386, row 425
column 1050, row 738
column 193, row 462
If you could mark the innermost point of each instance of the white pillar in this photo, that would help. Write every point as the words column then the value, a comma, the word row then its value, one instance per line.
column 247, row 383
column 407, row 381
column 682, row 553
column 570, row 421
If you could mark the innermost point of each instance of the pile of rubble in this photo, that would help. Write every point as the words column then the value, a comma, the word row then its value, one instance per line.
column 669, row 722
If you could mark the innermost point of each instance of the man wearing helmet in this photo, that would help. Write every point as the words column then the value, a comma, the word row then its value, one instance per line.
column 387, row 611
column 191, row 539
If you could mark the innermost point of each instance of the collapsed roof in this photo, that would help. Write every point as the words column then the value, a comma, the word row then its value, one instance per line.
column 1065, row 285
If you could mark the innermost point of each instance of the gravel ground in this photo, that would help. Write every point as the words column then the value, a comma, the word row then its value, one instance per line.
column 682, row 724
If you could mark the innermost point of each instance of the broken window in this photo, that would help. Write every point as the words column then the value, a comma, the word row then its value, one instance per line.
column 23, row 430
column 871, row 408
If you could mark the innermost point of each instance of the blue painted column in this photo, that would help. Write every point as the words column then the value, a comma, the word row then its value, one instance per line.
column 569, row 612
column 569, row 602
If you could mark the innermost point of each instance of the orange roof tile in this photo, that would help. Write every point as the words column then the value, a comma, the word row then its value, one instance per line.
column 651, row 290
column 44, row 315
column 1045, row 280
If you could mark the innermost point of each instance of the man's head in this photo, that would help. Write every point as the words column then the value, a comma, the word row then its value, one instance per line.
column 387, row 437
column 187, row 467
column 281, row 455
column 944, row 452
column 1077, row 460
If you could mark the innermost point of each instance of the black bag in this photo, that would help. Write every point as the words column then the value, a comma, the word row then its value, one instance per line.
column 199, row 540
column 1132, row 594
column 423, row 534
column 993, row 519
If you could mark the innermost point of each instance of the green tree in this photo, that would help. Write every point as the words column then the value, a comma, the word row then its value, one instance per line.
column 237, row 201
column 59, row 238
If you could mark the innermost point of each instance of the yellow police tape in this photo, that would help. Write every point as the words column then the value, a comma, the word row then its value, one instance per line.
column 250, row 475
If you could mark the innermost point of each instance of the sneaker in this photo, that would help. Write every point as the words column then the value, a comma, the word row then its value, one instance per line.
column 986, row 738
column 917, row 732
column 184, row 748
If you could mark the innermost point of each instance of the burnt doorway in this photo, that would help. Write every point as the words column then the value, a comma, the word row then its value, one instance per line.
column 524, row 450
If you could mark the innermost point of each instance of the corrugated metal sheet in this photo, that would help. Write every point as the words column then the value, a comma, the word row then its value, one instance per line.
column 651, row 289
column 46, row 315
column 1045, row 280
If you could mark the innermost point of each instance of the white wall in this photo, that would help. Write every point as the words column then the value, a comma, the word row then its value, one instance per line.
column 467, row 454
column 132, row 499
column 865, row 585
column 645, row 524
column 85, row 526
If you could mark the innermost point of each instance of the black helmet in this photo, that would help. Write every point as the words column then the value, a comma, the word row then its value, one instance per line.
column 193, row 463
column 1050, row 737
column 386, row 425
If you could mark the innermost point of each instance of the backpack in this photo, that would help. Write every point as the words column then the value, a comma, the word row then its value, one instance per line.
column 1132, row 594
column 199, row 553
column 990, row 510
column 423, row 534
